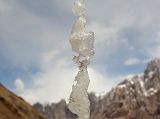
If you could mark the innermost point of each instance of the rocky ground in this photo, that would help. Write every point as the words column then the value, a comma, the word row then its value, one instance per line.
column 14, row 107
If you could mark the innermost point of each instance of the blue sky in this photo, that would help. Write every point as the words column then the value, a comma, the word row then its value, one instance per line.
column 35, row 54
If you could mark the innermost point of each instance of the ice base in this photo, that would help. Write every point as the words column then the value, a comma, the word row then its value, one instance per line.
column 79, row 102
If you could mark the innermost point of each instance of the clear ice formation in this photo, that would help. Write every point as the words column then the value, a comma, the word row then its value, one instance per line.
column 79, row 103
column 82, row 43
column 79, row 7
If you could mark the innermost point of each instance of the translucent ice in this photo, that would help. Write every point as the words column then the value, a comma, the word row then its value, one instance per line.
column 79, row 102
column 82, row 43
column 79, row 25
column 79, row 8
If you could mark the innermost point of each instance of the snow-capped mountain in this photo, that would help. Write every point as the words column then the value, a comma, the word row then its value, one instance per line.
column 137, row 97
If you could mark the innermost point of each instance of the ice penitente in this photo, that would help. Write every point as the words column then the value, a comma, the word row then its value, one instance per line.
column 82, row 43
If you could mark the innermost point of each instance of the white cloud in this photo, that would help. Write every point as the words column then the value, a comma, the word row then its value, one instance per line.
column 50, row 86
column 154, row 50
column 132, row 61
column 19, row 85
column 126, row 19
column 108, row 39
column 55, row 84
column 55, row 79
column 100, row 82
column 104, row 32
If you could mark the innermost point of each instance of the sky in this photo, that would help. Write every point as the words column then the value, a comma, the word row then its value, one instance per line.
column 36, row 56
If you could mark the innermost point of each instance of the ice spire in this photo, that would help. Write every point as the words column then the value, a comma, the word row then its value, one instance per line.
column 82, row 43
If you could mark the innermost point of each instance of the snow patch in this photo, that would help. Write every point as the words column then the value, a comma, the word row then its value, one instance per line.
column 131, row 81
column 122, row 86
column 151, row 73
column 101, row 94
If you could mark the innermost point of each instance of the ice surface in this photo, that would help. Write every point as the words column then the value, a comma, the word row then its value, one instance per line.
column 79, row 8
column 79, row 102
column 82, row 43
column 79, row 25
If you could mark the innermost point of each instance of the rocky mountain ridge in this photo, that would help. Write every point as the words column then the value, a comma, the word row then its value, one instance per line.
column 137, row 97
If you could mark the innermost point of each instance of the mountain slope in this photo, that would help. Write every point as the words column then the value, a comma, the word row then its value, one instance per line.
column 14, row 107
column 137, row 97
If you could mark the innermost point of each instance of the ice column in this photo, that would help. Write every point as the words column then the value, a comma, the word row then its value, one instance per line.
column 82, row 43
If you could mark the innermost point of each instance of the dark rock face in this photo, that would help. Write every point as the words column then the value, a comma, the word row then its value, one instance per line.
column 56, row 111
column 14, row 107
column 137, row 97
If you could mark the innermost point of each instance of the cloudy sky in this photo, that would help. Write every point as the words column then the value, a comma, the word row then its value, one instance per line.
column 35, row 54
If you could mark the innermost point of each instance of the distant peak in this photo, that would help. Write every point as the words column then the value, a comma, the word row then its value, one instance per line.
column 153, row 68
column 154, row 64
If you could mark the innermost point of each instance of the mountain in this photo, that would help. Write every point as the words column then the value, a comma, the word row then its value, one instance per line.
column 137, row 97
column 14, row 107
